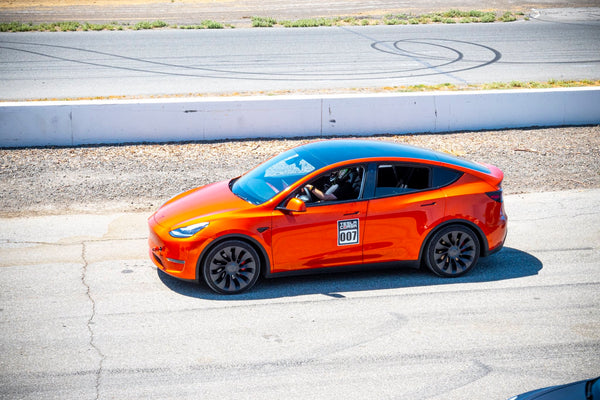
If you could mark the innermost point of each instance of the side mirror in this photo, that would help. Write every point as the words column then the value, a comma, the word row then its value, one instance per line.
column 295, row 205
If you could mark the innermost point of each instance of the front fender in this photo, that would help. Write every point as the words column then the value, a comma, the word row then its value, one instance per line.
column 258, row 244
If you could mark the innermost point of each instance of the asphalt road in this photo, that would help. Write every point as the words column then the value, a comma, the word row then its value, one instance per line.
column 85, row 315
column 555, row 45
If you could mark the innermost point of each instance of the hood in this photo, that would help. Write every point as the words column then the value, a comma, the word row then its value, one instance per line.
column 199, row 204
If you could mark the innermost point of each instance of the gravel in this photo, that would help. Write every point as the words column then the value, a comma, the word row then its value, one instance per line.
column 141, row 177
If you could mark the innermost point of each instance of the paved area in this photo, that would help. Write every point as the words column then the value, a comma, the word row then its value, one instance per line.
column 85, row 315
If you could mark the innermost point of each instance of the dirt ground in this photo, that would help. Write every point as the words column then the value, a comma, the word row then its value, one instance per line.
column 238, row 11
column 504, row 4
column 140, row 177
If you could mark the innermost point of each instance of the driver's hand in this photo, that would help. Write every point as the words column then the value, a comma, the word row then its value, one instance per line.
column 309, row 187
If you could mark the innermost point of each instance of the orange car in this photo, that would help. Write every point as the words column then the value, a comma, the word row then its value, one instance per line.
column 331, row 205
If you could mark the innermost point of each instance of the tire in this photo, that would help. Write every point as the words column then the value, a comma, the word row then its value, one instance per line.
column 231, row 267
column 453, row 251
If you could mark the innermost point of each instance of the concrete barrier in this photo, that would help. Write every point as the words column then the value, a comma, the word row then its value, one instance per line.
column 72, row 123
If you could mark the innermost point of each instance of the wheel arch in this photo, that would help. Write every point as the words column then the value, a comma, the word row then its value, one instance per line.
column 483, row 243
column 262, row 253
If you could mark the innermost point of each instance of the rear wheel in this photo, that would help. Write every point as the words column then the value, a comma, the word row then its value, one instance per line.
column 231, row 267
column 453, row 251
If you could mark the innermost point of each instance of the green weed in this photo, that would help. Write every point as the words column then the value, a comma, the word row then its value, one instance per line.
column 262, row 22
column 308, row 23
column 149, row 25
column 488, row 17
column 208, row 24
column 448, row 17
column 508, row 17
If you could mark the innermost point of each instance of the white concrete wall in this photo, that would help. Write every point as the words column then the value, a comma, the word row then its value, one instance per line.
column 93, row 122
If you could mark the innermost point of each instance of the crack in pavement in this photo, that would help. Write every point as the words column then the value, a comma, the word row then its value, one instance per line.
column 90, row 321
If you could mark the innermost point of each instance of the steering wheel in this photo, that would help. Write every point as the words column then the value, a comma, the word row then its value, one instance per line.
column 308, row 193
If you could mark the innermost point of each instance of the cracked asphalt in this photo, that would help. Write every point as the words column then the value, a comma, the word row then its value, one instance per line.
column 85, row 315
column 91, row 321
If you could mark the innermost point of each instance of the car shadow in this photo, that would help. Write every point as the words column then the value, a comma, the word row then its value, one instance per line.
column 507, row 264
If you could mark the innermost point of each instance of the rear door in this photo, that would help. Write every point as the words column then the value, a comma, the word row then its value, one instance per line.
column 403, row 209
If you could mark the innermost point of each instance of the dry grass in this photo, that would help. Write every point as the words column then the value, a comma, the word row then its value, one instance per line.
column 552, row 84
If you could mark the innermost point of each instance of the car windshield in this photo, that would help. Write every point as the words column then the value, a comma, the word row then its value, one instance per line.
column 268, row 179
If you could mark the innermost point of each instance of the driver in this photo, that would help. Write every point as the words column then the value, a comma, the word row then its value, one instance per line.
column 343, row 187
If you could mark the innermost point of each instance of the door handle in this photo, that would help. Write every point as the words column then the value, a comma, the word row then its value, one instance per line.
column 428, row 204
column 351, row 213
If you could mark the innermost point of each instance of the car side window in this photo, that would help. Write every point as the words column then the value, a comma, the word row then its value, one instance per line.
column 342, row 184
column 444, row 176
column 395, row 179
column 399, row 179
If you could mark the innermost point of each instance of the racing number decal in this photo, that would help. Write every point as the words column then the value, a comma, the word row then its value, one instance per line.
column 347, row 232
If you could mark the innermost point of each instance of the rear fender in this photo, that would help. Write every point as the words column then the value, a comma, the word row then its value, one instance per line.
column 484, row 246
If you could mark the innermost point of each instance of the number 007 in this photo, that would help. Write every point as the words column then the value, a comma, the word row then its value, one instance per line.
column 348, row 237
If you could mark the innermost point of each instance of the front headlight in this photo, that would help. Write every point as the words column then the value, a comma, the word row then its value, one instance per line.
column 188, row 231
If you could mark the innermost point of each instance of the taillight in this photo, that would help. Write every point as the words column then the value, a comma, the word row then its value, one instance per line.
column 496, row 196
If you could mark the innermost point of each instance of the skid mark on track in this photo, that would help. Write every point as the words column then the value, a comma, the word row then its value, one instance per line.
column 394, row 322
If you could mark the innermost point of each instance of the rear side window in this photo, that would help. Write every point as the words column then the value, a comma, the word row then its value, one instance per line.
column 399, row 179
column 444, row 176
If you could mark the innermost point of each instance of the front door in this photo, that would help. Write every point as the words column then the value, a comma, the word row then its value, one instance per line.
column 325, row 235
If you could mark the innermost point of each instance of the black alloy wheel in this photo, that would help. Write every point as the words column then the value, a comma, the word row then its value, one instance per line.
column 231, row 267
column 453, row 251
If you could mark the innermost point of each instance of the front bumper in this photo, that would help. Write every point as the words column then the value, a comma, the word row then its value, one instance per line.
column 176, row 257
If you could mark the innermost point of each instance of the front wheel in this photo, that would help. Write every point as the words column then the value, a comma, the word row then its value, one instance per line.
column 231, row 267
column 453, row 251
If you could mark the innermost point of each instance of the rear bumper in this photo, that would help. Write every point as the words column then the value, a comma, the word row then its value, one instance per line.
column 500, row 245
column 496, row 249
